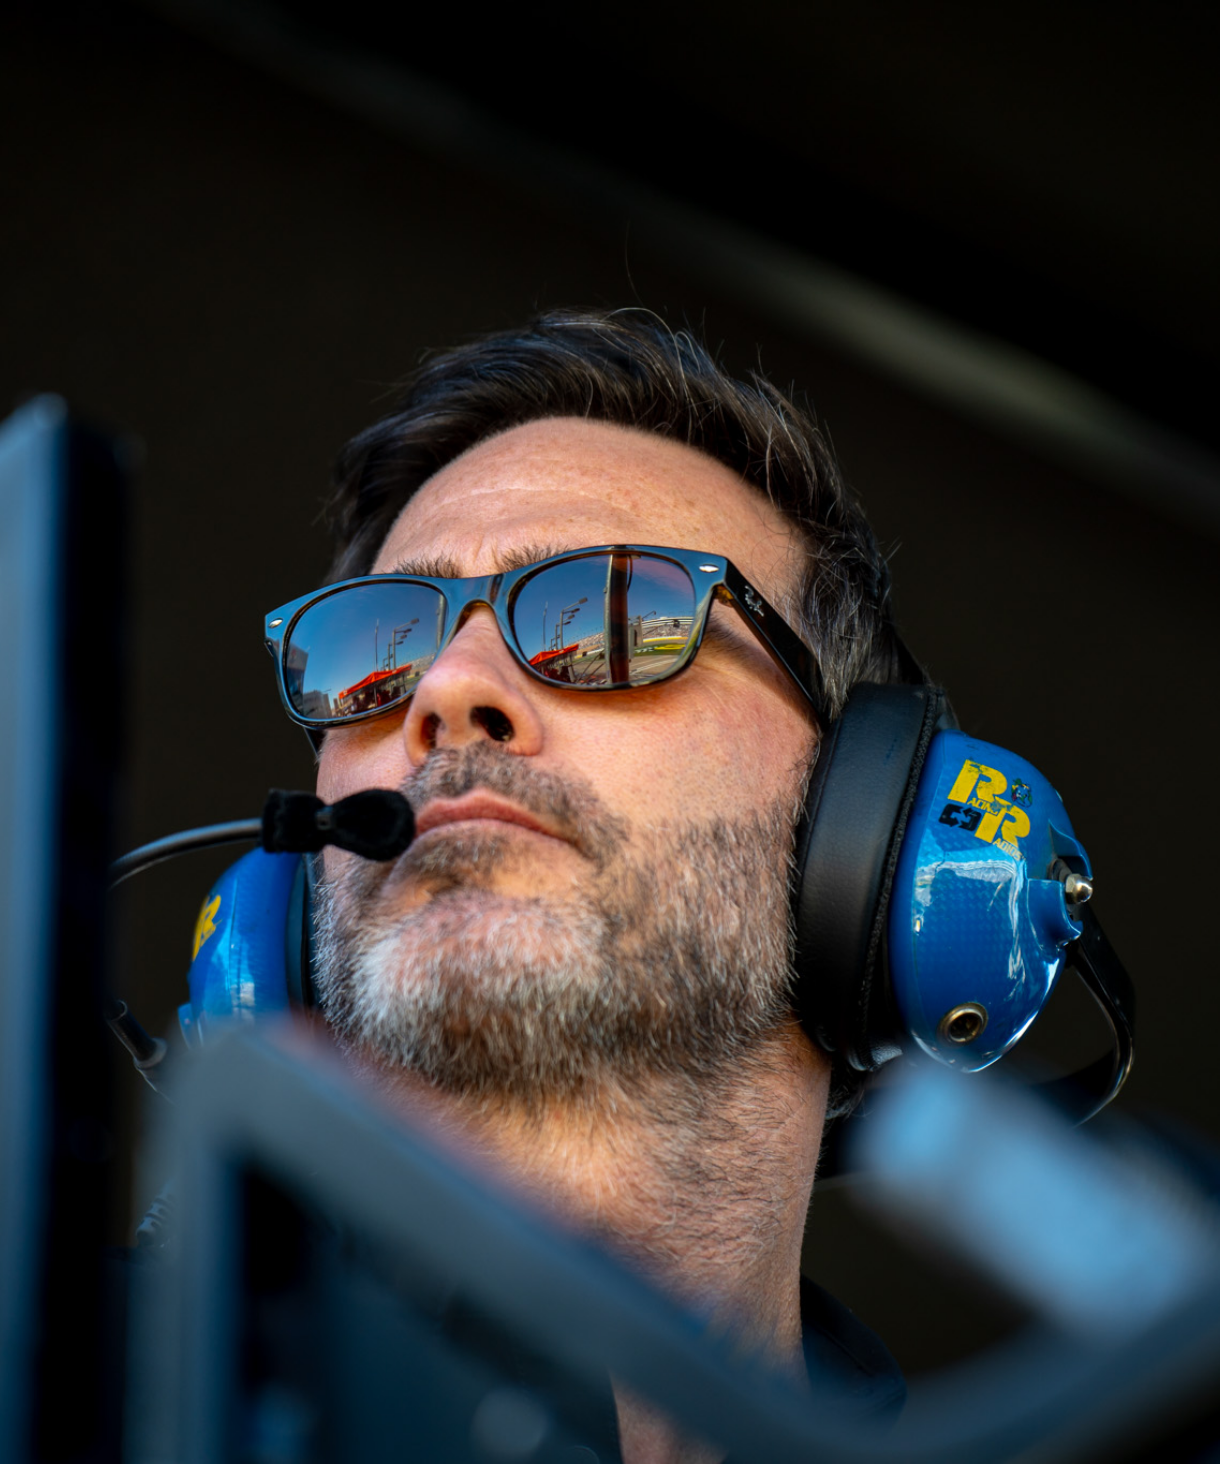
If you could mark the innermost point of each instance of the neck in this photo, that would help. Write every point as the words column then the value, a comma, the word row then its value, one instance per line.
column 702, row 1188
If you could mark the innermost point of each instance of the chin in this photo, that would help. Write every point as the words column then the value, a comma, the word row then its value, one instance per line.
column 476, row 935
column 476, row 991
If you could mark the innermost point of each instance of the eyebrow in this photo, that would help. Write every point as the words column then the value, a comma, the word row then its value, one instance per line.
column 444, row 566
column 430, row 566
column 531, row 554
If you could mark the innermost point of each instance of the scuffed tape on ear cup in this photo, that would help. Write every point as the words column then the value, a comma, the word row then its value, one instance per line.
column 859, row 798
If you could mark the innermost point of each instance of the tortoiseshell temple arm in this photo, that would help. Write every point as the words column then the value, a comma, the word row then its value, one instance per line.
column 777, row 637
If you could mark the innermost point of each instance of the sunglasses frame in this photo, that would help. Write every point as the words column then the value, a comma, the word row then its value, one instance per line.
column 712, row 576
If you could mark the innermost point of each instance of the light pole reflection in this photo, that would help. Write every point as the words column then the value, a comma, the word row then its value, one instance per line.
column 568, row 613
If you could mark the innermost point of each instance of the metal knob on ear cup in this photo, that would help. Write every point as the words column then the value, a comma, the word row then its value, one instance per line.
column 963, row 1023
column 1077, row 890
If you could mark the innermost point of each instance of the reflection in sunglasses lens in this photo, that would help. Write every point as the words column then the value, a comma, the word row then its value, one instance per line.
column 605, row 619
column 362, row 649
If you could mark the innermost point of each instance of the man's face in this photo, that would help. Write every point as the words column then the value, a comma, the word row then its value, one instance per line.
column 600, row 880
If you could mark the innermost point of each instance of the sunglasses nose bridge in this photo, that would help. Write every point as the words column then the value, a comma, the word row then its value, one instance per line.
column 478, row 593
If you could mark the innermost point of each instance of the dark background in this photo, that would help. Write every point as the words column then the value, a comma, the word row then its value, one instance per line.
column 229, row 230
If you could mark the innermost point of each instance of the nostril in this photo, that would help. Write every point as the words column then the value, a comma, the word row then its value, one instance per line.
column 428, row 730
column 493, row 722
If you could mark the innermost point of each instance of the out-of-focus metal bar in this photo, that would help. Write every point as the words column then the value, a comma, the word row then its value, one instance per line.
column 61, row 573
column 258, row 1108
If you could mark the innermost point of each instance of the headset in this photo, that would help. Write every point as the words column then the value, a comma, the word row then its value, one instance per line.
column 939, row 894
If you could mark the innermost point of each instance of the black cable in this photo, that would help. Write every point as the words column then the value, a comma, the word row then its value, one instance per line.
column 147, row 1052
column 242, row 830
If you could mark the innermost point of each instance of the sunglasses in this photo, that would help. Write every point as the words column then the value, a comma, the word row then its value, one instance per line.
column 609, row 618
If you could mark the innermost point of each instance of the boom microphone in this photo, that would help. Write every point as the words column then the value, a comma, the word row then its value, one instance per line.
column 376, row 823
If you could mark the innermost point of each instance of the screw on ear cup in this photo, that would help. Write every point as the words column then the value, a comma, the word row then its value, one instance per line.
column 860, row 795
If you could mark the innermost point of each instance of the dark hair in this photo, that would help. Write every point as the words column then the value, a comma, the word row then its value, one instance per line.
column 629, row 368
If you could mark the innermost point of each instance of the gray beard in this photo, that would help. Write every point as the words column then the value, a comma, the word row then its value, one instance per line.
column 671, row 957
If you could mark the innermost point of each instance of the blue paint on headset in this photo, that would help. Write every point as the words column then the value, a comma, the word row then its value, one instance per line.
column 977, row 919
column 239, row 969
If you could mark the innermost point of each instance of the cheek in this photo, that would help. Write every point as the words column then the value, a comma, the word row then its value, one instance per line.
column 727, row 756
column 755, row 753
column 369, row 756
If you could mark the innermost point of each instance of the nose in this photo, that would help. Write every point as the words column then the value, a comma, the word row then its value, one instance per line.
column 474, row 691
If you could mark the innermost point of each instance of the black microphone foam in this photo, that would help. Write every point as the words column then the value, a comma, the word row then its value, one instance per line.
column 290, row 823
column 376, row 823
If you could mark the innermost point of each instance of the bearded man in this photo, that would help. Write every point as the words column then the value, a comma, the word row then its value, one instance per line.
column 582, row 966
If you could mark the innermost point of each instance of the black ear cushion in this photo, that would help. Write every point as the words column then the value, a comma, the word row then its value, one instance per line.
column 860, row 795
column 298, row 934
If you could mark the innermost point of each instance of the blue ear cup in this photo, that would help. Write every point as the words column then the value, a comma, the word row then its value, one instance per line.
column 979, row 923
column 929, row 895
column 247, row 953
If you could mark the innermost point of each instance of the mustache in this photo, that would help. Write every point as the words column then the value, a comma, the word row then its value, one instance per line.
column 568, row 804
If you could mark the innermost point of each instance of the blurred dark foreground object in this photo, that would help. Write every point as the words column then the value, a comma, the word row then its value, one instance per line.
column 340, row 1291
column 62, row 544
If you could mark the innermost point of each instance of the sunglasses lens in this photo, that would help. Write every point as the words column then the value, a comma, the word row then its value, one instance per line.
column 361, row 649
column 605, row 620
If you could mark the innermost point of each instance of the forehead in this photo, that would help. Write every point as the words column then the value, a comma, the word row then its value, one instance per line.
column 566, row 482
